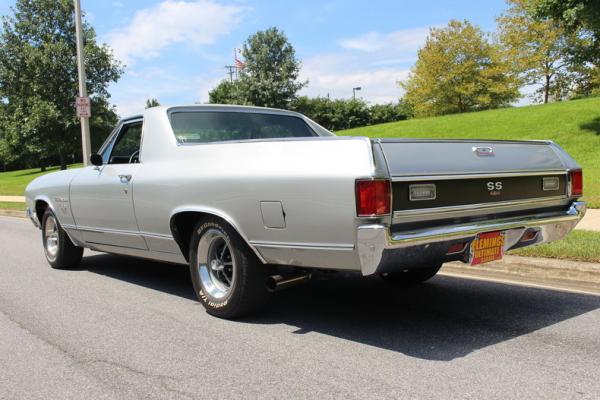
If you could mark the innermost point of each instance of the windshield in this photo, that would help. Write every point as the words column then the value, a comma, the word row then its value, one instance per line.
column 215, row 126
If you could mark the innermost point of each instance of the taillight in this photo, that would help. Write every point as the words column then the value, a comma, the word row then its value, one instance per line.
column 372, row 197
column 576, row 178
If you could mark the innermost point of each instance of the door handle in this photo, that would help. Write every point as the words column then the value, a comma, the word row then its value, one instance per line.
column 125, row 178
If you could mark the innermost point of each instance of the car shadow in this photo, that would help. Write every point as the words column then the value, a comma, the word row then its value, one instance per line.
column 443, row 319
column 168, row 278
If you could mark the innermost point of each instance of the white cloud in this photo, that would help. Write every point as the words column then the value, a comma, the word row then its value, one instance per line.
column 151, row 30
column 374, row 61
column 405, row 40
column 327, row 77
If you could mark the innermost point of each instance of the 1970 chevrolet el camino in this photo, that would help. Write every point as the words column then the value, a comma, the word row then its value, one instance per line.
column 253, row 199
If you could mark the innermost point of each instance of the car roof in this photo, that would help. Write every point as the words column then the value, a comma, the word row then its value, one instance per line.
column 215, row 107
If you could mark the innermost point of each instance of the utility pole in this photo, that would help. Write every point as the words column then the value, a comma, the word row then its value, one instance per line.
column 82, row 105
column 354, row 90
column 230, row 71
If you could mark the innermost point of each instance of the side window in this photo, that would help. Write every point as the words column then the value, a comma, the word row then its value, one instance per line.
column 126, row 148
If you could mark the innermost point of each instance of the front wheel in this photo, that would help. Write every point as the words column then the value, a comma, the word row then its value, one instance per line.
column 228, row 279
column 411, row 276
column 60, row 252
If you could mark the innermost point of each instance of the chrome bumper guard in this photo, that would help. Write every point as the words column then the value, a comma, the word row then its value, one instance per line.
column 380, row 250
column 33, row 217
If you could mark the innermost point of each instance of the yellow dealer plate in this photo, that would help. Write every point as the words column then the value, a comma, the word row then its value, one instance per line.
column 487, row 247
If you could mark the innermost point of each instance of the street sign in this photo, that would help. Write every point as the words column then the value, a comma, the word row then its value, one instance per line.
column 83, row 106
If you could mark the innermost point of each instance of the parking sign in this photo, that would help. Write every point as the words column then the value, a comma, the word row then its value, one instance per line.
column 83, row 106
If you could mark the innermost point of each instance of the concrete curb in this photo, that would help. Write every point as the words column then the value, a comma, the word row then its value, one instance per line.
column 583, row 276
column 12, row 213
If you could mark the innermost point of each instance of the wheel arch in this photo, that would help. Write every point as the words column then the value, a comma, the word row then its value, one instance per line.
column 183, row 221
column 41, row 204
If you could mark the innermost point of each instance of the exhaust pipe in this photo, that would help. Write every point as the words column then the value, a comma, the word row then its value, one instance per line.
column 278, row 282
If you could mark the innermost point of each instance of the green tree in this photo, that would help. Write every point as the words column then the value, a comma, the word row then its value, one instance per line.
column 333, row 114
column 152, row 103
column 226, row 92
column 538, row 50
column 390, row 112
column 459, row 70
column 38, row 82
column 580, row 18
column 348, row 113
column 270, row 76
column 574, row 14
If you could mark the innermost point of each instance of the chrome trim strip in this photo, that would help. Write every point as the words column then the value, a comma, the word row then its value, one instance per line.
column 157, row 235
column 504, row 174
column 478, row 206
column 121, row 232
column 424, row 140
column 303, row 246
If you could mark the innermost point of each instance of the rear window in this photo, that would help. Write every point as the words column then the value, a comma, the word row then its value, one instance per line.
column 216, row 126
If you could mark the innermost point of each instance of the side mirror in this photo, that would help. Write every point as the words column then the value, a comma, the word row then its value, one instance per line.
column 96, row 159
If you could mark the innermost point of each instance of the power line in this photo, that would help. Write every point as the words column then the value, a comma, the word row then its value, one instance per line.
column 231, row 70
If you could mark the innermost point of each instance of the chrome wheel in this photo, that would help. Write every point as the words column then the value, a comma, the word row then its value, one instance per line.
column 215, row 263
column 51, row 237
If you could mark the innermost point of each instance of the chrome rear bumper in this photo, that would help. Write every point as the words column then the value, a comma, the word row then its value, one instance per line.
column 381, row 250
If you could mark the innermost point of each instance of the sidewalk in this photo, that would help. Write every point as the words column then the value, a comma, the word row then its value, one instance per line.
column 13, row 199
column 591, row 221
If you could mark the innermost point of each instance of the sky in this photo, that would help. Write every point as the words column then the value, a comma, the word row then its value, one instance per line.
column 176, row 50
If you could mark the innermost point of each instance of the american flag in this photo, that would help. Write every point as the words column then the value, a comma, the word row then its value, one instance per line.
column 239, row 64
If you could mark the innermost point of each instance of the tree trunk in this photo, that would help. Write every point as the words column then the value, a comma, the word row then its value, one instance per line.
column 547, row 89
column 43, row 168
column 63, row 160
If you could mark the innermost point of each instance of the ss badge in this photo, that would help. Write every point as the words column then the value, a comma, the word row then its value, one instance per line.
column 494, row 188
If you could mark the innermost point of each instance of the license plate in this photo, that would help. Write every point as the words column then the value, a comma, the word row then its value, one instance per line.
column 487, row 247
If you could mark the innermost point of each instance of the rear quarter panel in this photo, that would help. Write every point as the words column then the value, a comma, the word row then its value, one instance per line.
column 313, row 179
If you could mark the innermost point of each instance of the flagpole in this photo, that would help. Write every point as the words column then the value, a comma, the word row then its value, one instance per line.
column 235, row 62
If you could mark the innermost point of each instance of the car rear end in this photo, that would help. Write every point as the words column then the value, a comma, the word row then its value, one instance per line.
column 471, row 201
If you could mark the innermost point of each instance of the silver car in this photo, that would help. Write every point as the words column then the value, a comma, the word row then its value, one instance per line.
column 254, row 199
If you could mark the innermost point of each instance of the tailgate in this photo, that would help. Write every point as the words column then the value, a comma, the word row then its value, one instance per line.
column 451, row 157
column 472, row 173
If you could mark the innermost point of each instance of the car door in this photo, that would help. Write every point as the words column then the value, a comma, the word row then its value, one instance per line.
column 102, row 197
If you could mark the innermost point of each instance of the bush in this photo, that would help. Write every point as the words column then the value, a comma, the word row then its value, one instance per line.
column 342, row 114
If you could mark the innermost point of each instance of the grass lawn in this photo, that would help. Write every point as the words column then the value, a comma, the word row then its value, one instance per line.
column 578, row 245
column 13, row 183
column 7, row 205
column 574, row 125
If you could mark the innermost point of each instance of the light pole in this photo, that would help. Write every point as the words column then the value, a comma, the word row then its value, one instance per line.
column 354, row 90
column 85, row 123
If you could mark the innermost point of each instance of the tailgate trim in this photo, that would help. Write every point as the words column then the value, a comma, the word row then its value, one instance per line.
column 538, row 202
column 412, row 177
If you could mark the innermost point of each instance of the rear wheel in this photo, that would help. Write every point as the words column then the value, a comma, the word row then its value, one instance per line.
column 228, row 279
column 60, row 252
column 411, row 276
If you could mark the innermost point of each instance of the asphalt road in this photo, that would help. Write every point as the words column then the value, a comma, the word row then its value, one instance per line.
column 121, row 328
